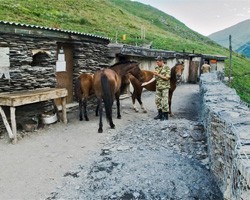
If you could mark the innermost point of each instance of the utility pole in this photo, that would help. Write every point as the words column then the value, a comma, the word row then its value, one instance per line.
column 230, row 59
column 143, row 32
column 116, row 34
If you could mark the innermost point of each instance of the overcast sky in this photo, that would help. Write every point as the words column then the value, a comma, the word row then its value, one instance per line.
column 204, row 16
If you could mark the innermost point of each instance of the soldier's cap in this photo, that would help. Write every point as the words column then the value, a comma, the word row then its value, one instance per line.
column 159, row 58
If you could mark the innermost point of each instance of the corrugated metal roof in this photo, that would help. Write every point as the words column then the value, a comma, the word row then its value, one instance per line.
column 146, row 52
column 53, row 29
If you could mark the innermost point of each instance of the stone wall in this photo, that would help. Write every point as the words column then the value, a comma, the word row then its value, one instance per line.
column 23, row 76
column 89, row 57
column 226, row 120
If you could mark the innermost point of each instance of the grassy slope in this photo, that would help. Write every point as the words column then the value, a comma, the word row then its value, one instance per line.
column 111, row 17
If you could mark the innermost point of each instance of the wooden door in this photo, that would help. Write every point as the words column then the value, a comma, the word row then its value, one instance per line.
column 193, row 71
column 65, row 78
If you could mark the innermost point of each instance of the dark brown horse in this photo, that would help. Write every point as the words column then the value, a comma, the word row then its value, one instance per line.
column 108, row 85
column 84, row 84
column 176, row 73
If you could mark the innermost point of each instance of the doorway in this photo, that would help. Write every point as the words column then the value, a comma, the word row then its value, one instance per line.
column 65, row 78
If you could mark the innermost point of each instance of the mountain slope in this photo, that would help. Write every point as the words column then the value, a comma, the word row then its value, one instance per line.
column 244, row 49
column 113, row 18
column 240, row 36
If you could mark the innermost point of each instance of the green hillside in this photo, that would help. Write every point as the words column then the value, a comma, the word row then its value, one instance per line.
column 113, row 18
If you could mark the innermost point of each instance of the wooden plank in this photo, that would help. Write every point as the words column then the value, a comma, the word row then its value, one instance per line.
column 13, row 99
column 32, row 96
column 64, row 111
column 6, row 124
column 13, row 123
column 22, row 100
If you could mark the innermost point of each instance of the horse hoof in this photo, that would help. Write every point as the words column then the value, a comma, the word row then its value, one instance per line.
column 112, row 126
column 81, row 119
column 100, row 130
column 87, row 119
column 144, row 111
column 119, row 117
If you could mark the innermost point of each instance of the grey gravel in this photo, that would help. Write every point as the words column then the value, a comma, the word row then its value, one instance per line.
column 148, row 159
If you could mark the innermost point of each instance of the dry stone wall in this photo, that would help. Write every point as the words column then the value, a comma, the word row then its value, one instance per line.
column 23, row 76
column 227, row 123
column 89, row 57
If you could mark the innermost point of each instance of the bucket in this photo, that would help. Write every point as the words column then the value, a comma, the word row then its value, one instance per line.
column 49, row 119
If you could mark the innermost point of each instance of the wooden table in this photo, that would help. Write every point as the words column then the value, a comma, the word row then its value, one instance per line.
column 14, row 99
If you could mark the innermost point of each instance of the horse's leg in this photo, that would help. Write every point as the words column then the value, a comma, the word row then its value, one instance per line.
column 100, row 130
column 133, row 101
column 128, row 90
column 137, row 95
column 85, row 109
column 170, row 94
column 117, row 96
column 80, row 109
column 140, row 102
column 111, row 123
column 135, row 84
column 97, row 109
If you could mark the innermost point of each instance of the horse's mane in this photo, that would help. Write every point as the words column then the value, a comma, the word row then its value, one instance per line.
column 123, row 62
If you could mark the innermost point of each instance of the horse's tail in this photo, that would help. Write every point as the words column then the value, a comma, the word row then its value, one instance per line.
column 77, row 88
column 107, row 97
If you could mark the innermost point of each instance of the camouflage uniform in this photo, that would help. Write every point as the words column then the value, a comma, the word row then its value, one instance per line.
column 162, row 88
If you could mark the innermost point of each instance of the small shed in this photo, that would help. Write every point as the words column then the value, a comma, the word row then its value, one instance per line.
column 35, row 57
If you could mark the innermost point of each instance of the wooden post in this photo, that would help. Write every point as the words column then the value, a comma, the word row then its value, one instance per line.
column 230, row 60
column 13, row 123
column 5, row 121
column 64, row 110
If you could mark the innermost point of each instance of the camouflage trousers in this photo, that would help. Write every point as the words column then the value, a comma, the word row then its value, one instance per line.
column 161, row 100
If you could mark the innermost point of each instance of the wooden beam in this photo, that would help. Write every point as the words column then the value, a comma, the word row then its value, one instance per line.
column 6, row 123
column 13, row 123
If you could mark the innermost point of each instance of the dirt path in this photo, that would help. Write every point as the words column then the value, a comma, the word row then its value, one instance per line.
column 36, row 165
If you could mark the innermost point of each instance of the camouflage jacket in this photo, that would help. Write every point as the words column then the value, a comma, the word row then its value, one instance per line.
column 160, row 83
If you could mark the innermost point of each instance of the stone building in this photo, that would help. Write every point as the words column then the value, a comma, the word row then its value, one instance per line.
column 33, row 57
column 146, row 57
column 29, row 56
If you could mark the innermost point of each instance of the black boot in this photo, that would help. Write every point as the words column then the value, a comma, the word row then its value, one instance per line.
column 159, row 116
column 164, row 116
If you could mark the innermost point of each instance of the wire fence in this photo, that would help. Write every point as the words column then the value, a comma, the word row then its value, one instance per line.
column 240, row 84
column 240, row 188
column 229, row 145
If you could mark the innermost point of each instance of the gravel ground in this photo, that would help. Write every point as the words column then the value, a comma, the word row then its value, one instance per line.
column 146, row 158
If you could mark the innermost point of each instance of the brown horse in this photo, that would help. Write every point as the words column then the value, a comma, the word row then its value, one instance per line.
column 84, row 84
column 83, row 91
column 176, row 73
column 108, row 85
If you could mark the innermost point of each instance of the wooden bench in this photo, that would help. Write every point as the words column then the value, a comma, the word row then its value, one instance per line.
column 14, row 99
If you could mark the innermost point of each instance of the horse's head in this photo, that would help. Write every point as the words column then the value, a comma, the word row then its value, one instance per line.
column 178, row 70
column 136, row 72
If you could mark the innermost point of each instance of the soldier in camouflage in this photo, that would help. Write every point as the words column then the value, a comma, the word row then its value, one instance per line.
column 162, row 77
